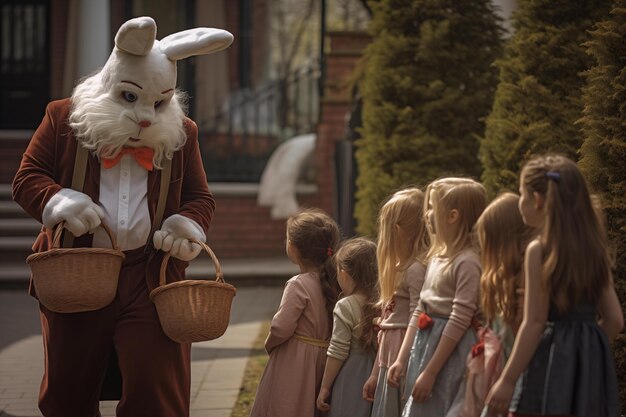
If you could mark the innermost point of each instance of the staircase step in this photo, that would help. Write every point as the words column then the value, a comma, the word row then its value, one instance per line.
column 16, row 243
column 15, row 249
column 19, row 227
column 14, row 274
column 5, row 192
column 10, row 209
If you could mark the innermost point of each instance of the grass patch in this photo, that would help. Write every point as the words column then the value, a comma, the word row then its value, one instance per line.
column 252, row 375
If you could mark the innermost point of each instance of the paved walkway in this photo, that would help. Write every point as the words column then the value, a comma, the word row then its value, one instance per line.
column 216, row 370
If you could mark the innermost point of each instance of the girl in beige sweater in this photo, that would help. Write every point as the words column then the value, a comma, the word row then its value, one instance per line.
column 352, row 349
column 440, row 335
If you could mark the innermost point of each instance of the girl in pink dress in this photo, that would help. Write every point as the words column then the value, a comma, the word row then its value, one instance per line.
column 301, row 328
column 440, row 334
column 401, row 252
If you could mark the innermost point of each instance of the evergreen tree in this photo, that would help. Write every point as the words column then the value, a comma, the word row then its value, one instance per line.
column 428, row 84
column 539, row 97
column 603, row 154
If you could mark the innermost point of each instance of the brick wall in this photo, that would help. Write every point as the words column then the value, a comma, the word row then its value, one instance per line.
column 242, row 229
column 345, row 50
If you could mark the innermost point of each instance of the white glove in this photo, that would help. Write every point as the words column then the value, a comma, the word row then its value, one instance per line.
column 80, row 213
column 174, row 237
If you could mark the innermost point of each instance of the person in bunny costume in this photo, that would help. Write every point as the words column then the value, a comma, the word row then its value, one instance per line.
column 131, row 119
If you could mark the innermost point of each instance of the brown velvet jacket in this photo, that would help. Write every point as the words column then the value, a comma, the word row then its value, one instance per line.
column 47, row 166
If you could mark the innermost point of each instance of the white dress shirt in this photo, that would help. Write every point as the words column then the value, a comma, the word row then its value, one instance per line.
column 124, row 198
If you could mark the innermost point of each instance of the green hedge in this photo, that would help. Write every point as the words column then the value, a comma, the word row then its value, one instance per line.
column 603, row 154
column 539, row 97
column 428, row 85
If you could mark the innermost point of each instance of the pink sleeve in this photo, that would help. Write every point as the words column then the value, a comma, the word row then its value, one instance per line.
column 286, row 318
column 465, row 302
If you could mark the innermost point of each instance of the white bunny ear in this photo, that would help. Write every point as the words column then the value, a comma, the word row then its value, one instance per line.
column 198, row 41
column 136, row 36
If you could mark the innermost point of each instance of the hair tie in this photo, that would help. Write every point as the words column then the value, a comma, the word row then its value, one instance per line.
column 329, row 251
column 553, row 175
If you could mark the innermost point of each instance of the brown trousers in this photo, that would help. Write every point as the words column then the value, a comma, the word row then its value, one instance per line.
column 155, row 370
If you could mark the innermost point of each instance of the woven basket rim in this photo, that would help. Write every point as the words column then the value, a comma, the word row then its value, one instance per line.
column 219, row 276
column 73, row 251
column 192, row 283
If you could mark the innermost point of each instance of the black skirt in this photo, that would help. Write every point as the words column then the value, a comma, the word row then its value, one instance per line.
column 572, row 371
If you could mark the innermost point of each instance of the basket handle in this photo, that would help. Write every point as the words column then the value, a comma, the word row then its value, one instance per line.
column 219, row 276
column 58, row 230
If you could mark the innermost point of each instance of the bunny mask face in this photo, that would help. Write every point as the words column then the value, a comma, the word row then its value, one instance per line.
column 132, row 101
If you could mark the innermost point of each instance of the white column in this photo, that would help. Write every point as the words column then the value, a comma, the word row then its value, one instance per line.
column 94, row 27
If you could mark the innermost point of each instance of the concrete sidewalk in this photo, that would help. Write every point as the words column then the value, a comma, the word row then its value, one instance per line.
column 216, row 370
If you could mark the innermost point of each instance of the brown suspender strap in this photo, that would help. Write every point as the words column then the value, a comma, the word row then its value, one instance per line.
column 166, row 174
column 78, row 181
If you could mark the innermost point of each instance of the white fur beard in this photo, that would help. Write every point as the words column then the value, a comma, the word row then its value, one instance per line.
column 103, row 125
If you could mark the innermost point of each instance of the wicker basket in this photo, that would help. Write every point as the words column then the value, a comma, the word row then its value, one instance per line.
column 193, row 310
column 72, row 280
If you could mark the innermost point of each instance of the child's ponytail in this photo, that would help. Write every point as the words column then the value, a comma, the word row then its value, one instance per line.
column 576, row 261
column 328, row 279
column 316, row 236
column 357, row 257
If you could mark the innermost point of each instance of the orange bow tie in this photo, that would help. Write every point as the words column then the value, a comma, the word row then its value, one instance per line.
column 142, row 155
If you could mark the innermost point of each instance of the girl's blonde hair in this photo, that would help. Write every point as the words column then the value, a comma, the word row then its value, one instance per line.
column 466, row 196
column 316, row 236
column 357, row 257
column 402, row 238
column 576, row 262
column 503, row 237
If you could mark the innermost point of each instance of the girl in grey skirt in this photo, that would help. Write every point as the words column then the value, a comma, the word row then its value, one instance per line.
column 440, row 334
column 351, row 352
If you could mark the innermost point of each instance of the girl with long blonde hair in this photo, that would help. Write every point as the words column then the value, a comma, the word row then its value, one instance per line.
column 440, row 335
column 401, row 253
column 561, row 354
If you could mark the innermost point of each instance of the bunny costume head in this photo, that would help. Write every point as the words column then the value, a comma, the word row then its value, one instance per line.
column 132, row 101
